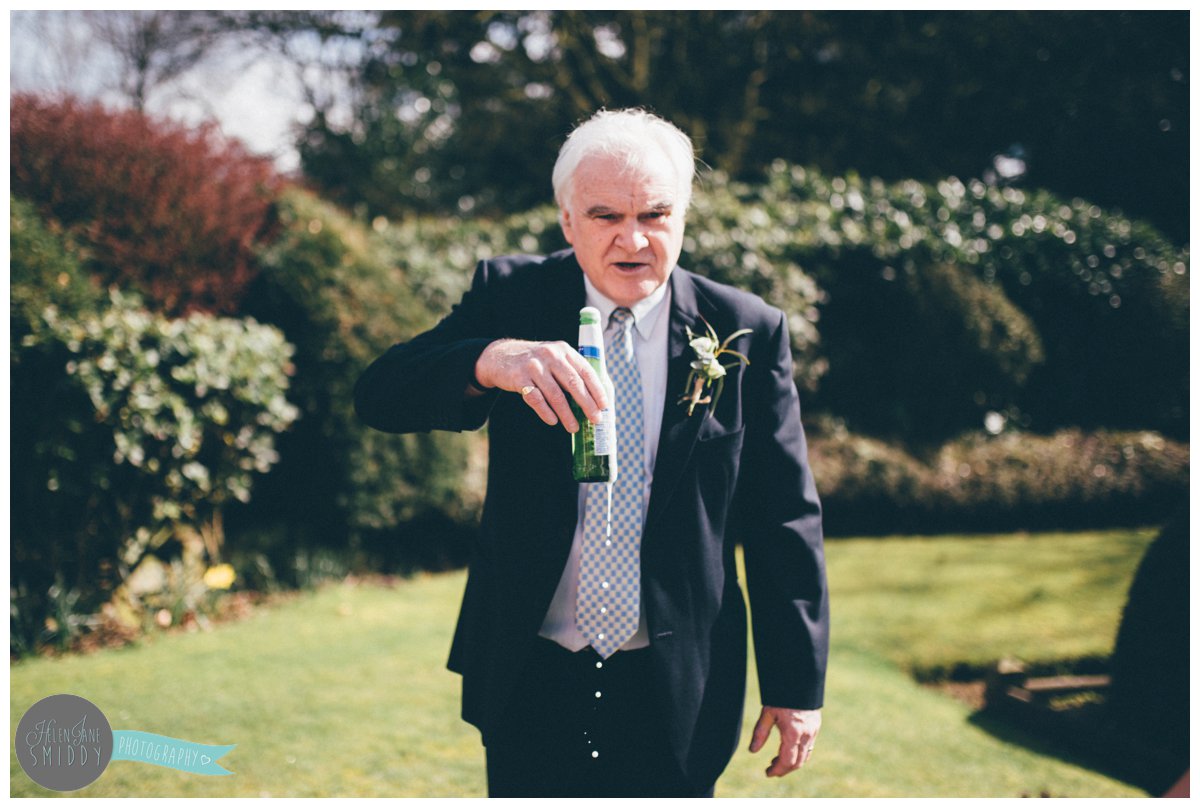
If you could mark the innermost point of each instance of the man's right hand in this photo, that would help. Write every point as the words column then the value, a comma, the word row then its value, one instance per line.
column 543, row 374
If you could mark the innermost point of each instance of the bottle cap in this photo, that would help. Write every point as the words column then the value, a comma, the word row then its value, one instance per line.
column 589, row 315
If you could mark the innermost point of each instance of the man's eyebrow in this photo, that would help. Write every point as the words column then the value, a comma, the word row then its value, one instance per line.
column 653, row 207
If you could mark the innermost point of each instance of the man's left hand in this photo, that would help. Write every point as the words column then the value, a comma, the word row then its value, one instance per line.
column 797, row 733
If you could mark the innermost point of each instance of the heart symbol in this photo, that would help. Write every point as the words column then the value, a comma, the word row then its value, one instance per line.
column 205, row 759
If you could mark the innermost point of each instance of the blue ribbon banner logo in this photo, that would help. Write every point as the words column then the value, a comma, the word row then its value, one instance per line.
column 171, row 753
column 64, row 743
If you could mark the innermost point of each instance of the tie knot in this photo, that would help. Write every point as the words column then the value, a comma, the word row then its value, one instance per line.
column 621, row 318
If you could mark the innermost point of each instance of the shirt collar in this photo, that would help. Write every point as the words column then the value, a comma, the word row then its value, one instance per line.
column 645, row 312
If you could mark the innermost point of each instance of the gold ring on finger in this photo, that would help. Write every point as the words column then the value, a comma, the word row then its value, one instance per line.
column 527, row 389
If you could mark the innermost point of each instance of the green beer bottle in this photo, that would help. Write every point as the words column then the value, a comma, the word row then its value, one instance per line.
column 594, row 446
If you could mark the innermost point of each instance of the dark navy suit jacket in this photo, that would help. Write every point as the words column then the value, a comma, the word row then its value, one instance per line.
column 736, row 474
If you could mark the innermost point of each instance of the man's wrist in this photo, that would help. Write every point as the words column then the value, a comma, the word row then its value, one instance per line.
column 478, row 382
column 475, row 386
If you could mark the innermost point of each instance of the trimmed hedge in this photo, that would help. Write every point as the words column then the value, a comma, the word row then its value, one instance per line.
column 1013, row 481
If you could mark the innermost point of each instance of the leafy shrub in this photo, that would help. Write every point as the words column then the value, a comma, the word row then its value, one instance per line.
column 937, row 303
column 172, row 212
column 1067, row 480
column 137, row 429
column 438, row 255
column 42, row 272
column 867, row 486
column 739, row 244
column 328, row 284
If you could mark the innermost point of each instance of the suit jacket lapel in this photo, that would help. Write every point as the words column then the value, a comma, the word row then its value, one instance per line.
column 567, row 295
column 679, row 432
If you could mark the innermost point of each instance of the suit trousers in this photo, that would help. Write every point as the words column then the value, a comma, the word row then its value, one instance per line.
column 580, row 726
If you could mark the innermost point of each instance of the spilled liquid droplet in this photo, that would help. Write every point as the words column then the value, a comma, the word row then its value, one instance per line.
column 608, row 522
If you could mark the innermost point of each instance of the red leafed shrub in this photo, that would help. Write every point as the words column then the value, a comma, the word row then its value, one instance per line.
column 172, row 211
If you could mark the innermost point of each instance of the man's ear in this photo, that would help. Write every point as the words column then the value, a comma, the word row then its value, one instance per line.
column 564, row 219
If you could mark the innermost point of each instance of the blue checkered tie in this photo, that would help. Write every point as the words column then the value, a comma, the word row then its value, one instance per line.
column 607, row 607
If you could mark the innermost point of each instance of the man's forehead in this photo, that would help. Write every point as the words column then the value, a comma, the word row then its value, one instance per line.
column 606, row 179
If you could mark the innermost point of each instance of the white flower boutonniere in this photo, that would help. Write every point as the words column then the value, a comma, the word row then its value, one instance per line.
column 708, row 372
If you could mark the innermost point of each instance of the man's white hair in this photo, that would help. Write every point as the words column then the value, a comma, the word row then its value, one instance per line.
column 634, row 136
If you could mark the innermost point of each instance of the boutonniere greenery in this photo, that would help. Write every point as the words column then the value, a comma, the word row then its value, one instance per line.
column 708, row 371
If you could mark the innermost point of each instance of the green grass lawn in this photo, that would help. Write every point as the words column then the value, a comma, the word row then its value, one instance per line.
column 345, row 692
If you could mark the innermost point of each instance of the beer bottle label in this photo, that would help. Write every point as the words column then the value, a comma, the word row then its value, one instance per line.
column 605, row 433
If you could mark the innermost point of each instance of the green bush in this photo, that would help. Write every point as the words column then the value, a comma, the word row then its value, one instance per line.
column 731, row 239
column 438, row 255
column 136, row 430
column 331, row 286
column 937, row 303
column 1070, row 478
column 43, row 272
column 979, row 482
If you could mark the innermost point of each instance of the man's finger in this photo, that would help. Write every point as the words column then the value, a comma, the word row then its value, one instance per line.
column 594, row 388
column 532, row 396
column 571, row 380
column 797, row 733
column 557, row 400
column 788, row 760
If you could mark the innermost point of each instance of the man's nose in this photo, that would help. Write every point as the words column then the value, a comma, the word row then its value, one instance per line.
column 633, row 237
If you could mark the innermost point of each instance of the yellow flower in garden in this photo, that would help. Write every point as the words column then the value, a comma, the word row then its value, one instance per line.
column 219, row 577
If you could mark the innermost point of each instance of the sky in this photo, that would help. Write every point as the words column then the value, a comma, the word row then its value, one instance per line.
column 254, row 97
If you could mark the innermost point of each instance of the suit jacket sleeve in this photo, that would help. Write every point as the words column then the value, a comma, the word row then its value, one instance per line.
column 780, row 518
column 420, row 385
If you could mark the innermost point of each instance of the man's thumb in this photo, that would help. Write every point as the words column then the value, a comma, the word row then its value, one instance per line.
column 761, row 730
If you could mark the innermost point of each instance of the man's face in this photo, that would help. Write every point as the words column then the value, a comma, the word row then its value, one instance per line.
column 626, row 226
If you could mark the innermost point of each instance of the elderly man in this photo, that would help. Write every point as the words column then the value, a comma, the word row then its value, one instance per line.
column 572, row 698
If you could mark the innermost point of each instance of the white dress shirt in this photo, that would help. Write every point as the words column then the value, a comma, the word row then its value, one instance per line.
column 650, row 323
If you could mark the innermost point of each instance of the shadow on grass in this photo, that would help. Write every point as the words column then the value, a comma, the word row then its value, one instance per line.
column 1082, row 740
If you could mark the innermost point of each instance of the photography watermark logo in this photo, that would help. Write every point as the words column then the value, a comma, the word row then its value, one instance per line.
column 64, row 742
